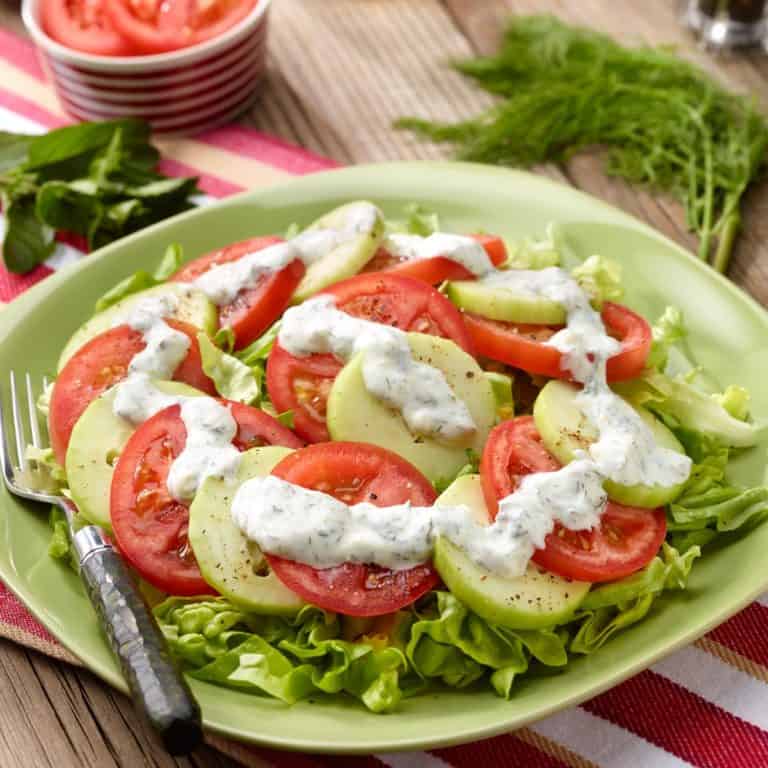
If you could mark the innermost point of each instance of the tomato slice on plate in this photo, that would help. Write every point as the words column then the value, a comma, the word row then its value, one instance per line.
column 353, row 473
column 254, row 309
column 100, row 364
column 434, row 271
column 523, row 346
column 157, row 26
column 628, row 537
column 149, row 525
column 302, row 384
column 84, row 26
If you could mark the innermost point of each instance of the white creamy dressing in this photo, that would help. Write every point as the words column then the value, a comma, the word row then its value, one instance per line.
column 312, row 527
column 223, row 283
column 209, row 425
column 165, row 346
column 418, row 391
column 317, row 529
column 458, row 248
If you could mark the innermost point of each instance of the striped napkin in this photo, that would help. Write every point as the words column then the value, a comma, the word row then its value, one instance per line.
column 704, row 706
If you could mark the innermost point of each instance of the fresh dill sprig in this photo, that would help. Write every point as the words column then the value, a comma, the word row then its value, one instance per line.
column 665, row 123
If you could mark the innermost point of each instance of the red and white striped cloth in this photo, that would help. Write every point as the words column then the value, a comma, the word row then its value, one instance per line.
column 704, row 706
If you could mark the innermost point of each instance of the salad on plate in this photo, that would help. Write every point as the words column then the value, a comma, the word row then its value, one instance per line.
column 374, row 458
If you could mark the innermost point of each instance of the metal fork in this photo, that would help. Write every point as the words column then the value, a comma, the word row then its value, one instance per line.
column 155, row 683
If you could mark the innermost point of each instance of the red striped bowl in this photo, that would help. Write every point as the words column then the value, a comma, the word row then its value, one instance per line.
column 181, row 92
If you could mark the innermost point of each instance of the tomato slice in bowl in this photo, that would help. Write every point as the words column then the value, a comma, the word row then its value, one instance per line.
column 158, row 26
column 353, row 473
column 523, row 346
column 434, row 271
column 302, row 384
column 256, row 308
column 83, row 25
column 150, row 526
column 100, row 364
column 628, row 537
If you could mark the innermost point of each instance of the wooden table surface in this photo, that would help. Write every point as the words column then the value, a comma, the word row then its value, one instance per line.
column 340, row 72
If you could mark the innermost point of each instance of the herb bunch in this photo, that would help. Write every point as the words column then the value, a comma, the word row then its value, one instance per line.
column 665, row 123
column 97, row 180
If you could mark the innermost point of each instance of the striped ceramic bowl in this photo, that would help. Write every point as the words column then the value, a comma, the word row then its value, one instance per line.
column 181, row 92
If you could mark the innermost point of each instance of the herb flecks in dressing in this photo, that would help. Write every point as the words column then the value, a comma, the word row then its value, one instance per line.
column 222, row 283
column 460, row 249
column 418, row 391
column 317, row 529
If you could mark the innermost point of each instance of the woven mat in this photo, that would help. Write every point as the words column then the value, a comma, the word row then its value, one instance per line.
column 705, row 706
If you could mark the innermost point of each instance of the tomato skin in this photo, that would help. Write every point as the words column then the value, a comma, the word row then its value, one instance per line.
column 100, row 364
column 392, row 300
column 636, row 339
column 628, row 537
column 161, row 27
column 149, row 525
column 83, row 26
column 513, row 449
column 302, row 385
column 254, row 309
column 356, row 472
column 626, row 541
column 435, row 271
column 522, row 346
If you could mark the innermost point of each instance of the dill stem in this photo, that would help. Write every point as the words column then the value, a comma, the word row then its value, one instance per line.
column 726, row 241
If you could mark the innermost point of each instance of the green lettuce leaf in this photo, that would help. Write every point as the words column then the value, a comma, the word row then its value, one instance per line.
column 44, row 473
column 316, row 652
column 141, row 280
column 451, row 644
column 683, row 406
column 418, row 221
column 668, row 331
column 289, row 659
column 614, row 606
column 533, row 254
column 258, row 351
column 502, row 385
column 234, row 380
column 600, row 278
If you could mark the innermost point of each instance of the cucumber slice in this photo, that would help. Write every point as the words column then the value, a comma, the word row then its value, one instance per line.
column 349, row 256
column 502, row 304
column 535, row 600
column 355, row 414
column 194, row 308
column 228, row 561
column 564, row 430
column 96, row 443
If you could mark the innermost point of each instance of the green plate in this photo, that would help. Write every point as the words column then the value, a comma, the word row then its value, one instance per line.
column 729, row 333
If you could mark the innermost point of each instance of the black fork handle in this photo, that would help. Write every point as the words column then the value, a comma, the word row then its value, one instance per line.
column 156, row 684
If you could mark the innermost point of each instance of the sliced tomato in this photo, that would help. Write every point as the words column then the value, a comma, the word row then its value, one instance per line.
column 149, row 525
column 254, row 309
column 628, row 537
column 84, row 26
column 523, row 346
column 157, row 26
column 434, row 271
column 100, row 364
column 353, row 473
column 302, row 384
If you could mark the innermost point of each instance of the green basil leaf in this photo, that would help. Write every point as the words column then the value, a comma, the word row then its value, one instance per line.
column 61, row 206
column 74, row 141
column 27, row 241
column 13, row 149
